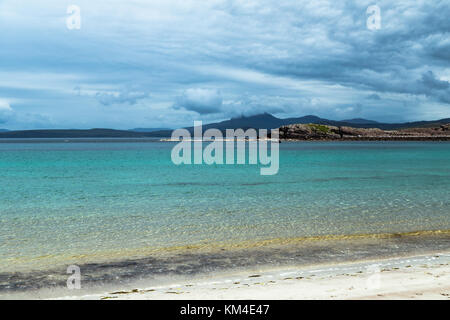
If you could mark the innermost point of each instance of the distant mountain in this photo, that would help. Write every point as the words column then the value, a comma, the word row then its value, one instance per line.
column 260, row 121
column 421, row 124
column 3, row 130
column 268, row 121
column 360, row 121
column 148, row 129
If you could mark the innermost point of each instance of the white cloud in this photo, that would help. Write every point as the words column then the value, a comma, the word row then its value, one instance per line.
column 6, row 112
column 122, row 97
column 4, row 105
column 200, row 100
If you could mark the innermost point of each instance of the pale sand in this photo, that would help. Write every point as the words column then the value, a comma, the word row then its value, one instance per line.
column 418, row 277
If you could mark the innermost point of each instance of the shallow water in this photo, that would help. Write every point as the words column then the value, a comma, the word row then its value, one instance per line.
column 75, row 203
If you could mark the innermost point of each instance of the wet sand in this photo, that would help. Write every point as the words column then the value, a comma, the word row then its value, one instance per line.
column 417, row 277
column 196, row 272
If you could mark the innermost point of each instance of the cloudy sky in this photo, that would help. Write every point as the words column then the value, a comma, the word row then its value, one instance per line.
column 165, row 63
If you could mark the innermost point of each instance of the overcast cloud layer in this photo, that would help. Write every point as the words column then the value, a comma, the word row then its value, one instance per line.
column 164, row 63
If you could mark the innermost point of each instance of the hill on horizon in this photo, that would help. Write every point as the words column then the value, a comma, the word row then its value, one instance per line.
column 268, row 121
column 259, row 121
column 360, row 121
column 148, row 129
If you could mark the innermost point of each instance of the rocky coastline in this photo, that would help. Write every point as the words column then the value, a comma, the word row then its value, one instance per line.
column 314, row 132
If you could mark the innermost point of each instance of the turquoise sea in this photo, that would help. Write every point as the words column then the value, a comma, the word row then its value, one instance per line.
column 67, row 202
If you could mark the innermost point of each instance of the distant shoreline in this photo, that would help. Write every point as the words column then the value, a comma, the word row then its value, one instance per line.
column 291, row 132
column 79, row 140
column 167, row 139
column 346, row 139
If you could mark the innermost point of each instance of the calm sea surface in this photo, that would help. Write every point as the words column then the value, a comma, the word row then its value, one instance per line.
column 62, row 202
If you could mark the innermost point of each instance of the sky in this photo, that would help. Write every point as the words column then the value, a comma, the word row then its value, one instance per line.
column 166, row 63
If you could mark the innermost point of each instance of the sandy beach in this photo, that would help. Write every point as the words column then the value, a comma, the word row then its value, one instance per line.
column 414, row 277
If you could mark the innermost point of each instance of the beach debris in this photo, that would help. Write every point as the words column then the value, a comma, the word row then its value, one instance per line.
column 121, row 292
column 148, row 290
column 107, row 297
column 125, row 292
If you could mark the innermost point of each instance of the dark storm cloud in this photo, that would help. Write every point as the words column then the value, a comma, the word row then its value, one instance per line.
column 373, row 96
column 215, row 59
